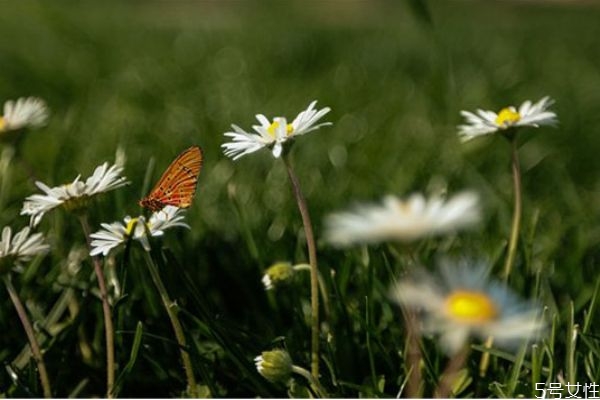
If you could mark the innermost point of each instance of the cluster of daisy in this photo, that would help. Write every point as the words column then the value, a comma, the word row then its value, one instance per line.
column 32, row 112
column 459, row 301
column 74, row 196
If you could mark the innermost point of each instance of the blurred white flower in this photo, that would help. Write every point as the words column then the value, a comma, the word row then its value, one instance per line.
column 25, row 112
column 273, row 134
column 21, row 247
column 117, row 233
column 73, row 195
column 402, row 220
column 486, row 122
column 461, row 302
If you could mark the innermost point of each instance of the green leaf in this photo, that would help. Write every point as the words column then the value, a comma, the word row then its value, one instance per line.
column 133, row 355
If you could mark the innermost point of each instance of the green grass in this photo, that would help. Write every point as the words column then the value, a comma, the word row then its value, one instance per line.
column 157, row 77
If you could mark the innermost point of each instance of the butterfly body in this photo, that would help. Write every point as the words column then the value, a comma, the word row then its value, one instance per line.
column 177, row 185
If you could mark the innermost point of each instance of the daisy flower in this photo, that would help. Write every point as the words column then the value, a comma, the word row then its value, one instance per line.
column 275, row 365
column 402, row 220
column 25, row 112
column 273, row 134
column 280, row 273
column 487, row 122
column 73, row 195
column 117, row 233
column 461, row 302
column 276, row 274
column 20, row 248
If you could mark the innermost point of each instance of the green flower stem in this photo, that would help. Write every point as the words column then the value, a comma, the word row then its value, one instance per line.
column 6, row 158
column 484, row 363
column 109, row 331
column 516, row 222
column 314, row 271
column 444, row 389
column 311, row 379
column 54, row 315
column 172, row 310
column 35, row 348
column 322, row 287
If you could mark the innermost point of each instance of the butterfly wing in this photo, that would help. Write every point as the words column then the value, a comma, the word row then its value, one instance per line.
column 177, row 185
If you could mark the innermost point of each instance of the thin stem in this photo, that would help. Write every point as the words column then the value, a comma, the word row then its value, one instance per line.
column 414, row 357
column 322, row 287
column 314, row 271
column 53, row 316
column 109, row 331
column 484, row 363
column 172, row 310
column 35, row 348
column 311, row 379
column 516, row 222
column 444, row 389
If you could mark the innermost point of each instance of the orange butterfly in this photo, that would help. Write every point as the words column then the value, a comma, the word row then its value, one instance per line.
column 177, row 186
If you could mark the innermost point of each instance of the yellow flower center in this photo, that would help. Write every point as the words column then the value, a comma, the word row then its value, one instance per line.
column 470, row 307
column 131, row 226
column 2, row 124
column 273, row 127
column 507, row 116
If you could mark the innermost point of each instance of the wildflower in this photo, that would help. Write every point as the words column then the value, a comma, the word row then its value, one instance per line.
column 277, row 274
column 273, row 134
column 20, row 248
column 117, row 233
column 462, row 302
column 488, row 122
column 402, row 220
column 74, row 195
column 275, row 366
column 25, row 112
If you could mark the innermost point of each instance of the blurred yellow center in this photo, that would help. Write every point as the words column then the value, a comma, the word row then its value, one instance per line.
column 275, row 125
column 2, row 123
column 470, row 307
column 507, row 117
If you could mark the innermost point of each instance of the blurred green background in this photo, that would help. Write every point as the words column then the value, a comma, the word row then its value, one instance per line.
column 156, row 77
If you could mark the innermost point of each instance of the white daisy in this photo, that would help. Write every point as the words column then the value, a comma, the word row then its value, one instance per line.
column 400, row 220
column 273, row 134
column 117, row 233
column 20, row 248
column 461, row 302
column 114, row 234
column 487, row 122
column 25, row 112
column 168, row 217
column 73, row 195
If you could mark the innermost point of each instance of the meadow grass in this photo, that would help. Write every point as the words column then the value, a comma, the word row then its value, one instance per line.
column 155, row 78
